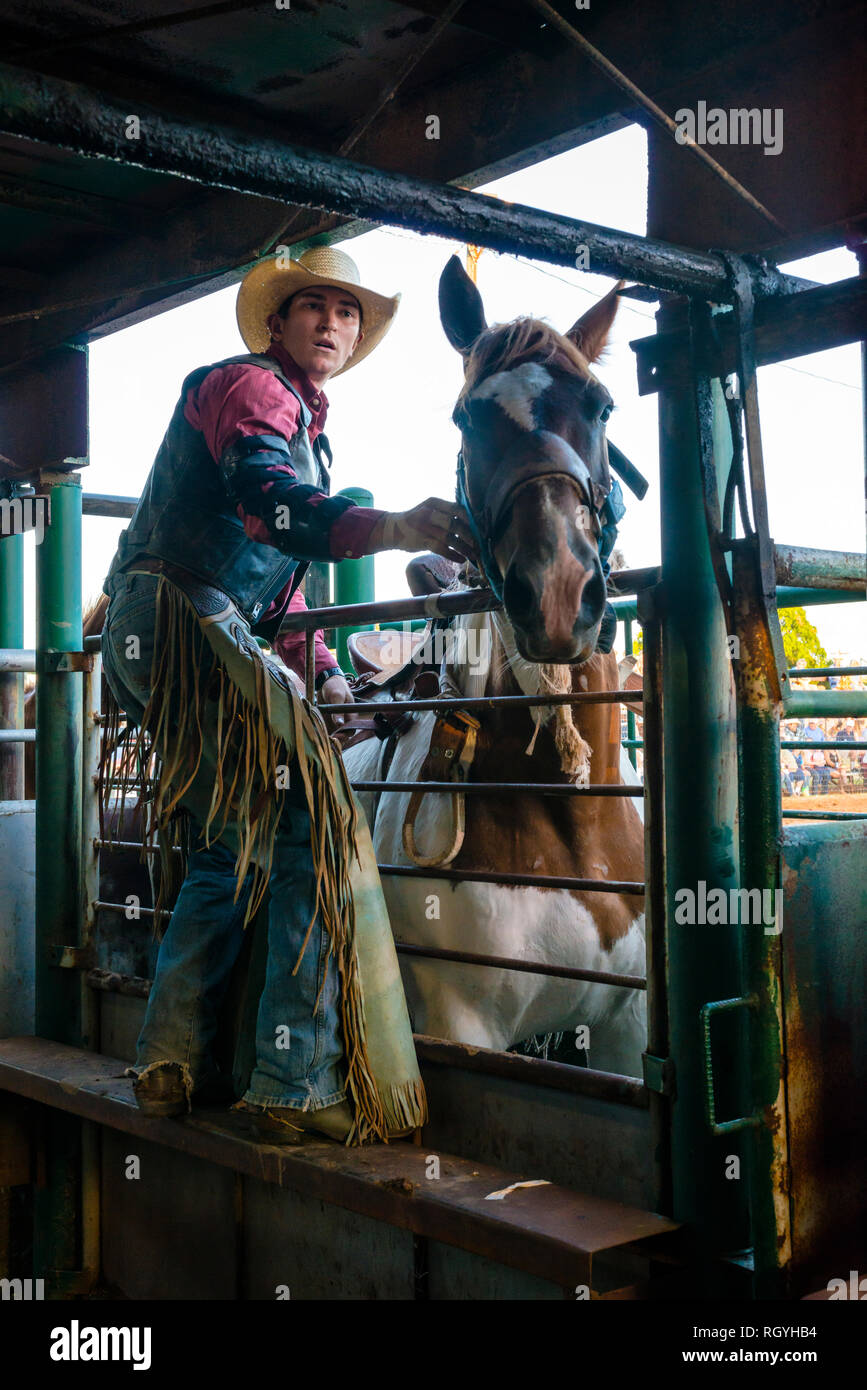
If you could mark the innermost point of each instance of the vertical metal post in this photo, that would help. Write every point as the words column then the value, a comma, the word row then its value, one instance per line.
column 630, row 717
column 658, row 1077
column 11, row 754
column 57, row 1233
column 354, row 580
column 58, row 761
column 701, row 822
column 310, row 664
column 761, row 868
column 91, row 740
column 861, row 252
column 90, row 1140
column 11, row 684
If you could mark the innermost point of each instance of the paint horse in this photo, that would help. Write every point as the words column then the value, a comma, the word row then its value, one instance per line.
column 533, row 474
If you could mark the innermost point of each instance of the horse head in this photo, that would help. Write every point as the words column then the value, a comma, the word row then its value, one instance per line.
column 533, row 469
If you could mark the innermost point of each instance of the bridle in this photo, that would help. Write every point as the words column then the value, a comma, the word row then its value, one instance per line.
column 604, row 504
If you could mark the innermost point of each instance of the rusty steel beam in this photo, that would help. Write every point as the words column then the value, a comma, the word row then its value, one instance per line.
column 817, row 318
column 90, row 123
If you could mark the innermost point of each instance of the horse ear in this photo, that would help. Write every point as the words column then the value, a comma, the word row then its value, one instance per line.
column 590, row 332
column 462, row 313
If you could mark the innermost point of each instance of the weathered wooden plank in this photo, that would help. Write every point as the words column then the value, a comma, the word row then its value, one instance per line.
column 551, row 1231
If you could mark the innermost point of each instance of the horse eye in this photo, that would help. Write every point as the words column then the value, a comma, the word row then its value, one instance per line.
column 606, row 414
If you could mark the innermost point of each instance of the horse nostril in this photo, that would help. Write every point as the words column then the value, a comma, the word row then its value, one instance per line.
column 519, row 598
column 592, row 597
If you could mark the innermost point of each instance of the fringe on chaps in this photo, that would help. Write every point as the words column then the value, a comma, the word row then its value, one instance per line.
column 192, row 690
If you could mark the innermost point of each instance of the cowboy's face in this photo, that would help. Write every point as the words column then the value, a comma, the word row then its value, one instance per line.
column 321, row 330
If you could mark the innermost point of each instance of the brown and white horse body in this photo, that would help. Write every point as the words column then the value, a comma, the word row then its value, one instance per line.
column 574, row 837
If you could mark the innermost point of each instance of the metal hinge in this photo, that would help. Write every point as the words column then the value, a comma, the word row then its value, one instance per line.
column 658, row 1074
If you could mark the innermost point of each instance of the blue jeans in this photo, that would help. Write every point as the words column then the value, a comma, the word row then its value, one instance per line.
column 298, row 1044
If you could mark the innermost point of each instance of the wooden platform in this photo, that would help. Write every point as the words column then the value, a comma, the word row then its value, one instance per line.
column 550, row 1231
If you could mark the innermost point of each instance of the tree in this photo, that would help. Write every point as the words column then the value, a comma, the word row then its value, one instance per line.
column 800, row 639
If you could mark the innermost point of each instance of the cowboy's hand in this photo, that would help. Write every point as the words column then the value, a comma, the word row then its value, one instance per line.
column 435, row 524
column 335, row 691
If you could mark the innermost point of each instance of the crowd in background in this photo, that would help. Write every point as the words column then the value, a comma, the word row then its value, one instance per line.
column 818, row 771
column 807, row 771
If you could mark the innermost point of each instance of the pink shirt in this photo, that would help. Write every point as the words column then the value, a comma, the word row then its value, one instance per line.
column 242, row 400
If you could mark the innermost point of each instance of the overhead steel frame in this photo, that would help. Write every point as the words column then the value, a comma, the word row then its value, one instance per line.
column 685, row 672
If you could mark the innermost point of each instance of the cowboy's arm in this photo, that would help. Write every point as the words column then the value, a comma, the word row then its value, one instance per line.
column 247, row 419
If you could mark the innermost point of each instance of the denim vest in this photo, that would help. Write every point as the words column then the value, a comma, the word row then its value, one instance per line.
column 186, row 517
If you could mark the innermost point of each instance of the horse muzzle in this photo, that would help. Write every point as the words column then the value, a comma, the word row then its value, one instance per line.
column 555, row 608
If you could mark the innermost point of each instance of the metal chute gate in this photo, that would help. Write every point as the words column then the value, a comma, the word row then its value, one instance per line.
column 639, row 1197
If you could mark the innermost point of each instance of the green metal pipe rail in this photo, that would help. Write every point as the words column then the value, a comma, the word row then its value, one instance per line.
column 11, row 681
column 59, row 1212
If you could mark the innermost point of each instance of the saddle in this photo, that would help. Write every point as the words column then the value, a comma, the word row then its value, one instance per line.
column 385, row 670
column 391, row 665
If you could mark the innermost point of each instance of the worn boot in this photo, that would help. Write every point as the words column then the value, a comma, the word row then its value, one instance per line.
column 162, row 1089
column 283, row 1125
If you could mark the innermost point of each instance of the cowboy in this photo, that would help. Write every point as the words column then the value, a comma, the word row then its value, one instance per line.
column 237, row 497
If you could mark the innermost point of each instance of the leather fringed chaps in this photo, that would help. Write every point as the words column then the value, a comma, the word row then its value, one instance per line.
column 211, row 681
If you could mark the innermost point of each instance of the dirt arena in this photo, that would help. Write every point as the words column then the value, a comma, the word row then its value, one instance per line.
column 855, row 802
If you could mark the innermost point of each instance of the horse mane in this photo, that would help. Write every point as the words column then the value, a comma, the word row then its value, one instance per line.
column 525, row 339
column 93, row 619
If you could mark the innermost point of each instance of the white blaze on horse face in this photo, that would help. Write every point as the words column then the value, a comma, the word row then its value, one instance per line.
column 516, row 392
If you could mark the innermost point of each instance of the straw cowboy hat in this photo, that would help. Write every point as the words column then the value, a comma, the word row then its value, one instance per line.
column 268, row 284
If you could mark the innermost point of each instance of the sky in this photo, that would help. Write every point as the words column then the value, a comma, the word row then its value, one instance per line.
column 389, row 421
